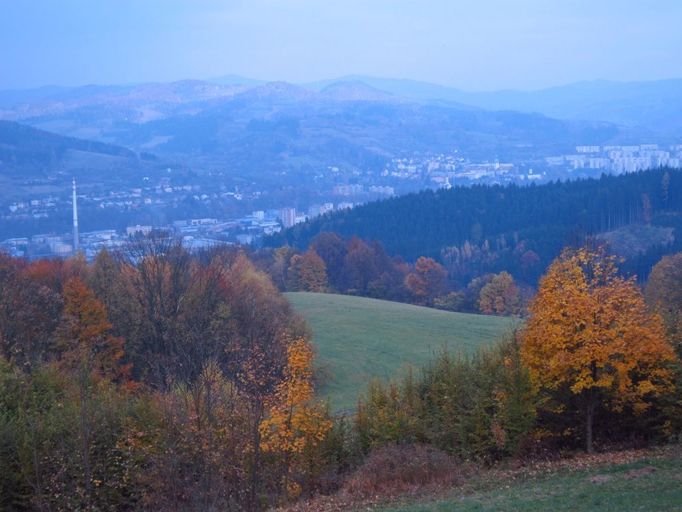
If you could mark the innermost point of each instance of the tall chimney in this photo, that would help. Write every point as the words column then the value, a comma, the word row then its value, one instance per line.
column 75, row 219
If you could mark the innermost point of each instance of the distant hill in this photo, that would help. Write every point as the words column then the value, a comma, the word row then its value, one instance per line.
column 356, row 91
column 30, row 157
column 279, row 132
column 235, row 80
column 414, row 90
column 276, row 135
column 358, row 338
column 490, row 228
column 655, row 105
column 28, row 152
column 99, row 111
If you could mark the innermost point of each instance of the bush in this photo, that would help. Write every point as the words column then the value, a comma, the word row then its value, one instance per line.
column 473, row 407
column 401, row 469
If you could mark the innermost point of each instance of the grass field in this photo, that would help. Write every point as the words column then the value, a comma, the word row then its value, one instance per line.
column 653, row 484
column 358, row 338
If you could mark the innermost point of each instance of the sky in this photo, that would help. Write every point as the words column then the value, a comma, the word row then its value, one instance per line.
column 469, row 44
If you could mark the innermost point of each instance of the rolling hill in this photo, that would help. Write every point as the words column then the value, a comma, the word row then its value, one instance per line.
column 359, row 338
column 37, row 161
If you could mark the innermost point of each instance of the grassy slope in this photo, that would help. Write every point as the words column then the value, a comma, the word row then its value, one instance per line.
column 614, row 488
column 359, row 338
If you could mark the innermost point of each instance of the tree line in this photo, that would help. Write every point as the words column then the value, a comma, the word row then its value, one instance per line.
column 359, row 267
column 483, row 229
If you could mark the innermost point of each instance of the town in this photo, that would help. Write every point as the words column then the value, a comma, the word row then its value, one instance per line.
column 398, row 176
column 196, row 233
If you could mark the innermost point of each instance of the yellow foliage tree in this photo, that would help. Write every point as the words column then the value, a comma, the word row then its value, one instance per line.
column 590, row 333
column 500, row 296
column 294, row 422
column 307, row 272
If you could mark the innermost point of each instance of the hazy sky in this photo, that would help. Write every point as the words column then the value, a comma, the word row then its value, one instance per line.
column 471, row 44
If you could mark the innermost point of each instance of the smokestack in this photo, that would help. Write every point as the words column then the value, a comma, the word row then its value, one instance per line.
column 75, row 219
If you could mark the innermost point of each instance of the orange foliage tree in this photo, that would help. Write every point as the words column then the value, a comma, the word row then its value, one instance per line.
column 427, row 281
column 85, row 342
column 93, row 356
column 294, row 422
column 590, row 334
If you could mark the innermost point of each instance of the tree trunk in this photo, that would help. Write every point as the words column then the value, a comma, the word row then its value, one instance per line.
column 255, row 469
column 589, row 421
column 85, row 446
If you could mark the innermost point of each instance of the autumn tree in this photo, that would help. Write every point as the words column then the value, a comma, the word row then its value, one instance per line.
column 29, row 312
column 279, row 267
column 427, row 280
column 85, row 342
column 529, row 262
column 42, row 444
column 223, row 417
column 294, row 422
column 194, row 441
column 90, row 354
column 174, row 309
column 500, row 296
column 360, row 266
column 590, row 336
column 109, row 278
column 307, row 273
column 332, row 249
column 261, row 327
column 664, row 294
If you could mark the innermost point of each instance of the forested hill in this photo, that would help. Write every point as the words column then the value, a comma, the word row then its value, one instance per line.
column 499, row 221
column 25, row 147
column 31, row 158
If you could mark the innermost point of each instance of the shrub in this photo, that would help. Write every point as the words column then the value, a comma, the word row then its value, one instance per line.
column 401, row 469
column 474, row 407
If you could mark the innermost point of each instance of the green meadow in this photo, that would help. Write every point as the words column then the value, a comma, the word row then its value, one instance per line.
column 358, row 339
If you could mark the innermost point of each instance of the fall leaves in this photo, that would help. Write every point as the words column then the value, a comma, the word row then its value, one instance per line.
column 590, row 333
column 84, row 338
column 294, row 422
column 591, row 359
column 179, row 382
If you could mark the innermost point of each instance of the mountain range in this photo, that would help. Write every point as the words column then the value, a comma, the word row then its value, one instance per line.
column 654, row 105
column 272, row 134
column 224, row 120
